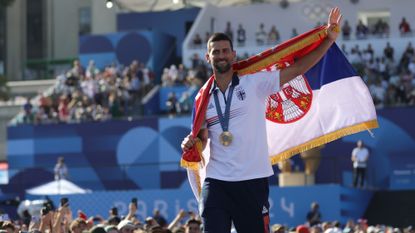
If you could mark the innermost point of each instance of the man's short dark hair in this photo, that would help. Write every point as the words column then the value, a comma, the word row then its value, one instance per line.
column 218, row 36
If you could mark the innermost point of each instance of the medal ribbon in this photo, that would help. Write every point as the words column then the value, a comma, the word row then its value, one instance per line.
column 224, row 120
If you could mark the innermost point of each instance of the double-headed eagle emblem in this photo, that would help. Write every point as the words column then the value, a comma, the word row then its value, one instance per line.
column 291, row 103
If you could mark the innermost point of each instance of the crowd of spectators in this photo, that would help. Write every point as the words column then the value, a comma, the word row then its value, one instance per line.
column 360, row 226
column 63, row 220
column 271, row 36
column 391, row 79
column 90, row 94
column 379, row 29
column 262, row 36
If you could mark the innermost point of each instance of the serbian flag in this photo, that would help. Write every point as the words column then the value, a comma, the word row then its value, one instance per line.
column 327, row 102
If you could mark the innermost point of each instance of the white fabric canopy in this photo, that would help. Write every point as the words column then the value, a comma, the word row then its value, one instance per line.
column 57, row 187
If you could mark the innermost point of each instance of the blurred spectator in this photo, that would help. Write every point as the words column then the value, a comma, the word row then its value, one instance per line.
column 277, row 228
column 197, row 41
column 302, row 229
column 78, row 226
column 202, row 73
column 196, row 61
column 61, row 171
column 349, row 227
column 185, row 103
column 75, row 74
column 91, row 70
column 316, row 229
column 360, row 156
column 409, row 49
column 411, row 66
column 314, row 215
column 368, row 53
column 388, row 51
column 173, row 73
column 229, row 31
column 346, row 30
column 378, row 92
column 355, row 55
column 294, row 32
column 406, row 58
column 171, row 104
column 63, row 109
column 126, row 226
column 207, row 36
column 241, row 35
column 113, row 218
column 381, row 28
column 404, row 27
column 261, row 35
column 115, row 105
column 166, row 80
column 193, row 226
column 361, row 30
column 181, row 74
column 160, row 219
column 8, row 227
column 273, row 35
column 335, row 228
column 28, row 116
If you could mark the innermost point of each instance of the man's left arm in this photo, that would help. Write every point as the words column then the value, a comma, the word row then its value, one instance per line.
column 303, row 64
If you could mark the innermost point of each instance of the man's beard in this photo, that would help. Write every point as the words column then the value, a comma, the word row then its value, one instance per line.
column 222, row 68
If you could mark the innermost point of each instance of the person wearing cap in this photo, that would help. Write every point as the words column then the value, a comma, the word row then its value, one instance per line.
column 302, row 229
column 126, row 226
column 78, row 225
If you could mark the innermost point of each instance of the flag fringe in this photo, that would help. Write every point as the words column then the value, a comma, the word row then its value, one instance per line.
column 323, row 140
column 189, row 165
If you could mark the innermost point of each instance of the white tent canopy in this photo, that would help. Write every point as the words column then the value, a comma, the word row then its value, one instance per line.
column 57, row 187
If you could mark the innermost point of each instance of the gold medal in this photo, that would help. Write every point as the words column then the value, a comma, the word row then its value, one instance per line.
column 226, row 138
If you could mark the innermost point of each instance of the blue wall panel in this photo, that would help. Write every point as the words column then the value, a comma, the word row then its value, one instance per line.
column 173, row 23
column 149, row 47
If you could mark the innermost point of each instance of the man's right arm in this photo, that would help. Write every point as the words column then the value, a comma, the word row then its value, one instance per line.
column 189, row 141
column 203, row 136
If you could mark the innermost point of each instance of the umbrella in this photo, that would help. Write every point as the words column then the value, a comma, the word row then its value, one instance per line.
column 57, row 187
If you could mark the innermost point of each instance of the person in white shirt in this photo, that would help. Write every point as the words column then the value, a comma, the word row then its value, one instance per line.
column 61, row 171
column 360, row 156
column 236, row 186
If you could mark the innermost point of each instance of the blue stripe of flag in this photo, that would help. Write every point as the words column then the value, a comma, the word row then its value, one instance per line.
column 332, row 67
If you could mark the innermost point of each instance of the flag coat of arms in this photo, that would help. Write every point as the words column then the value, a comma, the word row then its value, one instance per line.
column 327, row 102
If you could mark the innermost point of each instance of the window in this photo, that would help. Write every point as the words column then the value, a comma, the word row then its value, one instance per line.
column 84, row 20
column 35, row 30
